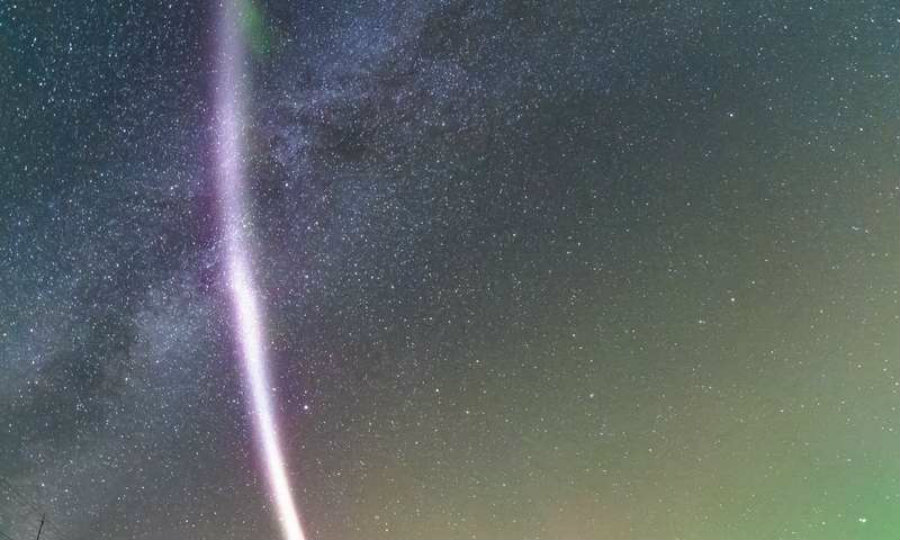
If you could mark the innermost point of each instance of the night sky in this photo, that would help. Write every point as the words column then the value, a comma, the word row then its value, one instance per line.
column 564, row 269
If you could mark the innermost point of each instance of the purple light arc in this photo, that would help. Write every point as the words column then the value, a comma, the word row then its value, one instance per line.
column 246, row 310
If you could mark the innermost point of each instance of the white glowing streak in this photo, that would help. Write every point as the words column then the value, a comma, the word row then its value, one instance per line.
column 247, row 313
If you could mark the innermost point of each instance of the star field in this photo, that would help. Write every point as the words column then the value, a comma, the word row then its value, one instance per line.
column 529, row 270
